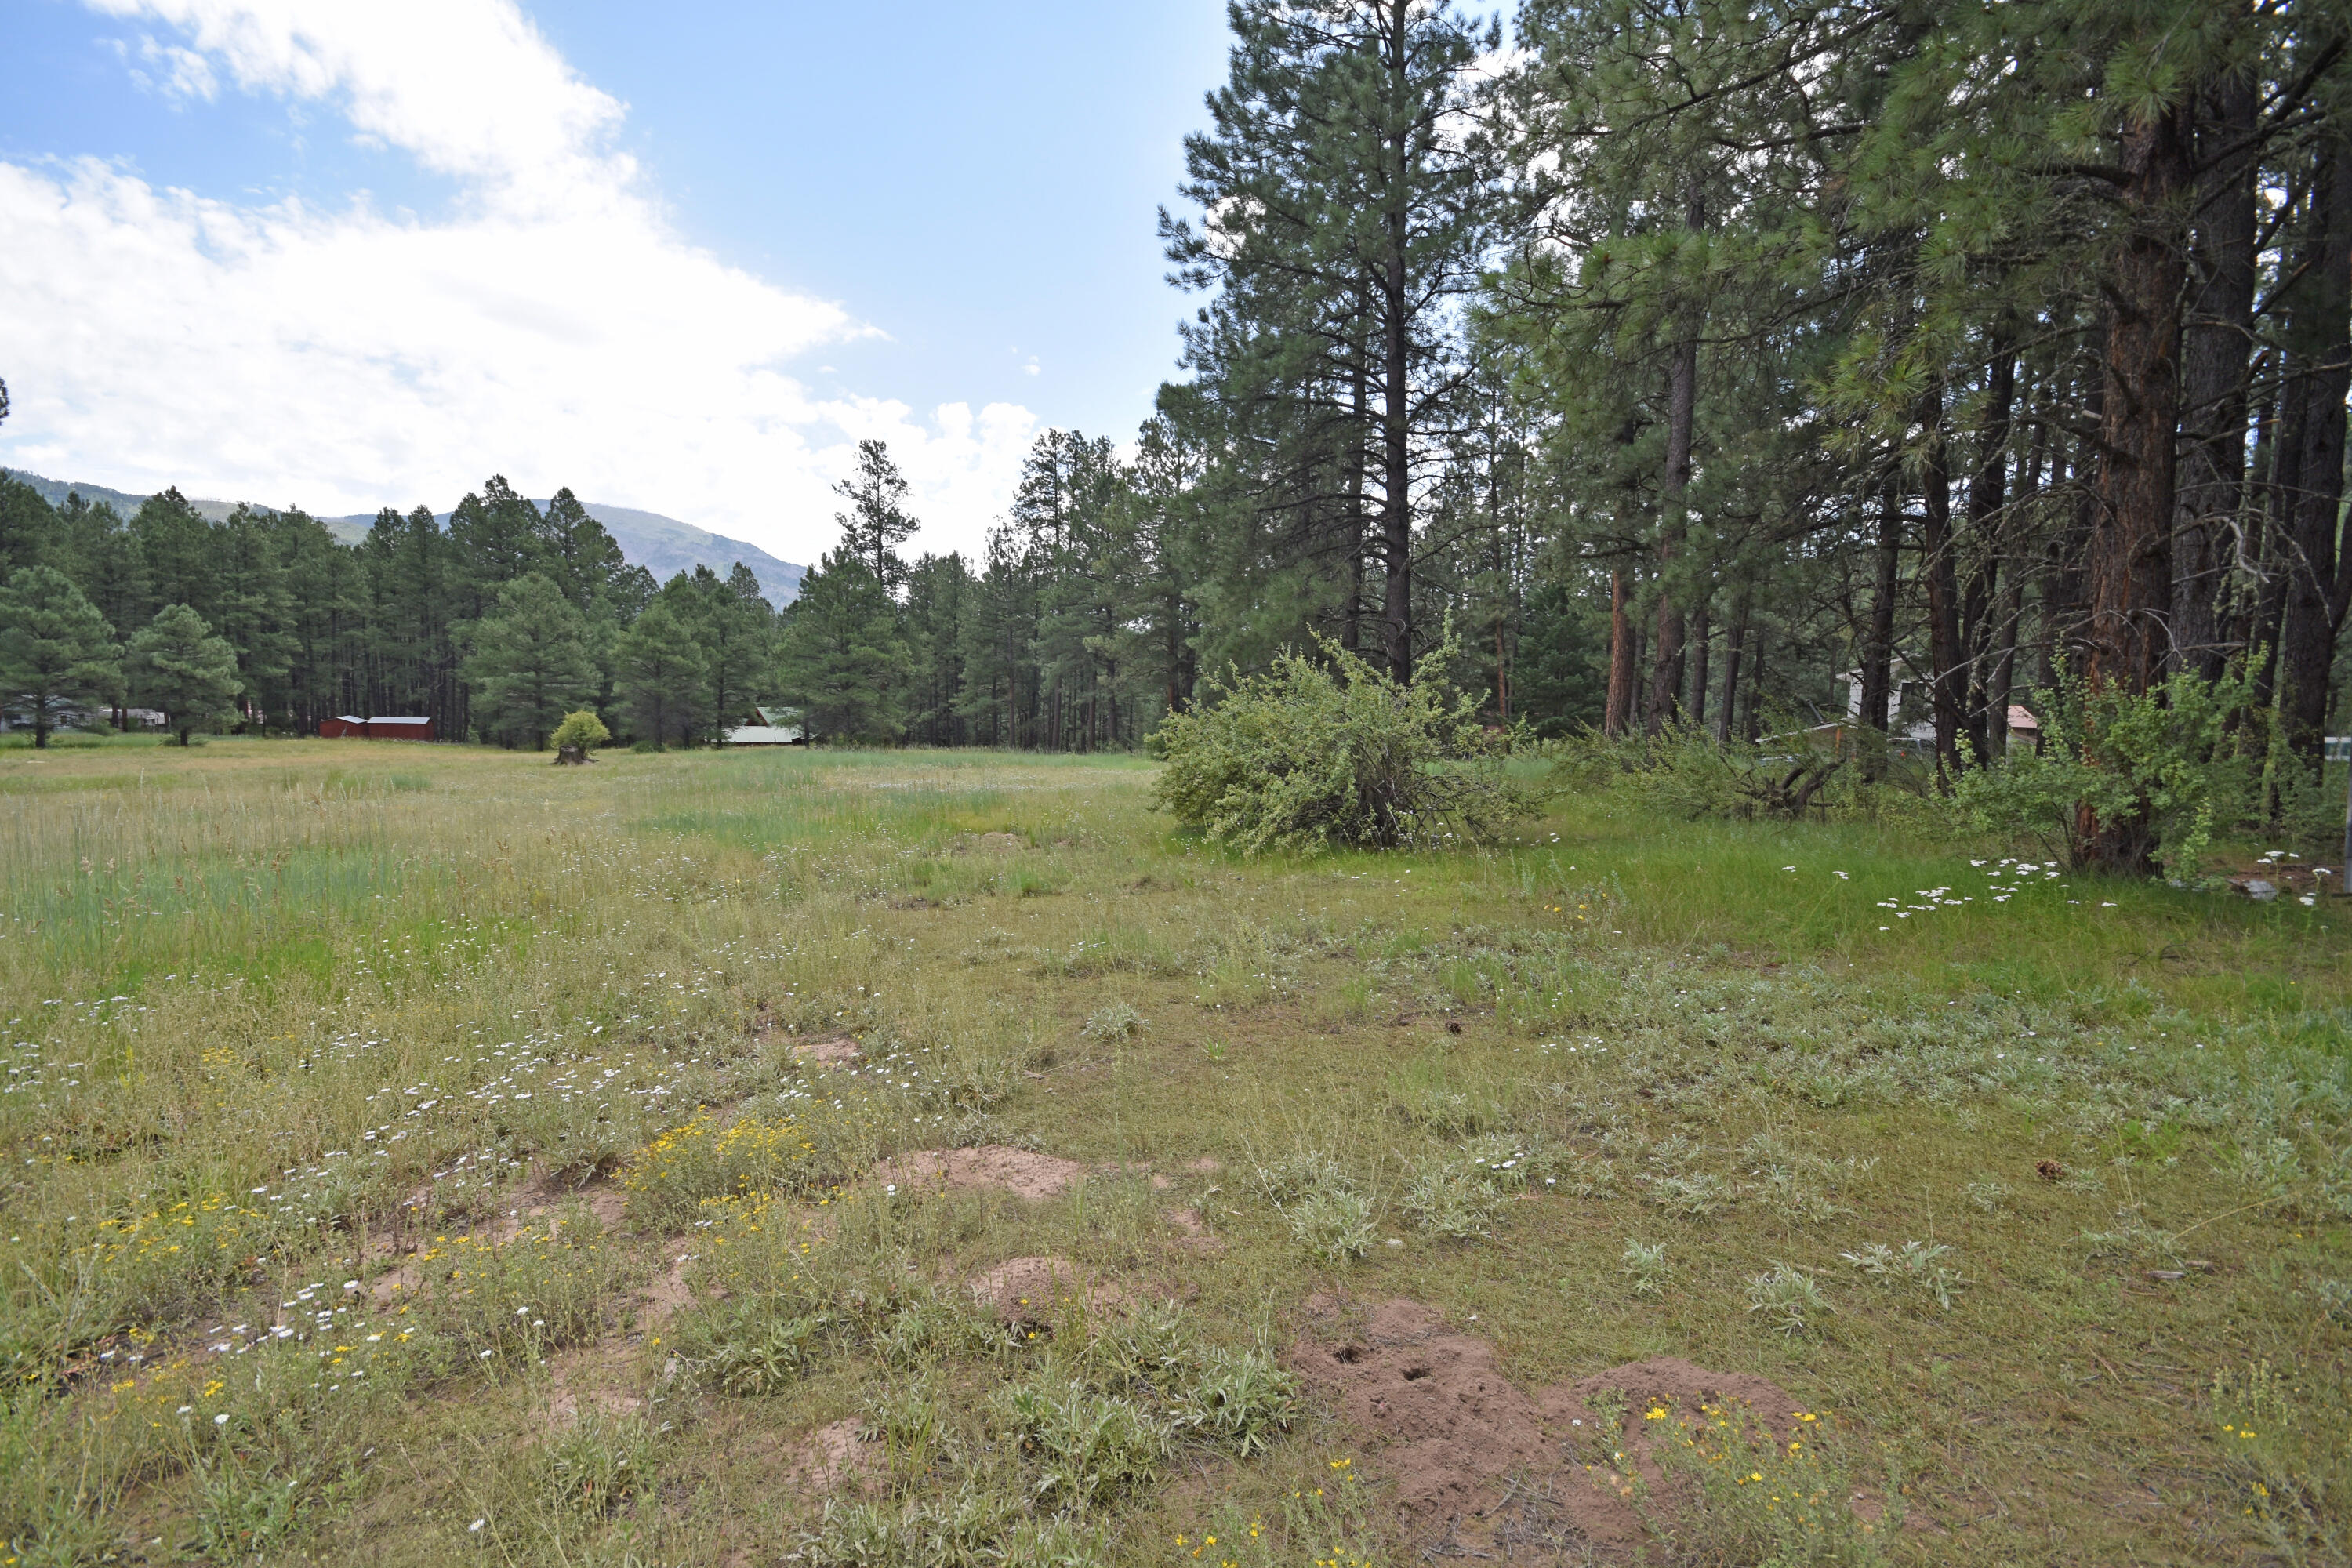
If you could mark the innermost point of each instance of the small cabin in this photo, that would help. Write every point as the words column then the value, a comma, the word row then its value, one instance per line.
column 777, row 727
column 350, row 727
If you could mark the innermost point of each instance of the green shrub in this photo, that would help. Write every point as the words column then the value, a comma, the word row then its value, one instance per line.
column 1450, row 1201
column 1240, row 1399
column 707, row 1161
column 1337, row 755
column 581, row 729
column 2159, row 766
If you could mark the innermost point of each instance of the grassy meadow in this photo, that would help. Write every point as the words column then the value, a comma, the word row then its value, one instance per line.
column 416, row 1155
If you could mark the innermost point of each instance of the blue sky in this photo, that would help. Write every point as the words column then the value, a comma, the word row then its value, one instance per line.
column 677, row 256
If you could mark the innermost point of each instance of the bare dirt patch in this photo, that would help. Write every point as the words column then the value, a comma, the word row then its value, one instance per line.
column 587, row 1380
column 836, row 1050
column 1027, row 1291
column 832, row 1460
column 1193, row 1232
column 1483, row 1467
column 1021, row 1172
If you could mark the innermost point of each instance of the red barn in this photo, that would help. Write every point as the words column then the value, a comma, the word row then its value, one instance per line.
column 350, row 727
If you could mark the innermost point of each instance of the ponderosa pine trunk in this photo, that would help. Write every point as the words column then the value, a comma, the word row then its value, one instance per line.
column 1734, row 647
column 1701, row 630
column 2217, row 340
column 1878, row 642
column 1682, row 409
column 1987, row 531
column 1618, row 716
column 2317, row 585
column 2131, row 563
column 1944, row 665
column 1396, row 427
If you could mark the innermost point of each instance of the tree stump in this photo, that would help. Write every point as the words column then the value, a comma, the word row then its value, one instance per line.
column 569, row 756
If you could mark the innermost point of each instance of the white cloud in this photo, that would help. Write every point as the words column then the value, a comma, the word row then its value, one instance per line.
column 554, row 327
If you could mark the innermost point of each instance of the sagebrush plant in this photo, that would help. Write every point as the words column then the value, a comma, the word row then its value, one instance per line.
column 1645, row 1267
column 1332, row 1224
column 1790, row 1299
column 1452, row 1199
column 1321, row 752
column 1116, row 1021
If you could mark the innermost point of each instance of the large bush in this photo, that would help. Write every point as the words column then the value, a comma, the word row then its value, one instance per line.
column 1334, row 753
column 2160, row 765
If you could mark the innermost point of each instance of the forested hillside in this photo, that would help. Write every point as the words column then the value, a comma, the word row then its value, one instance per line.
column 1694, row 362
column 494, row 625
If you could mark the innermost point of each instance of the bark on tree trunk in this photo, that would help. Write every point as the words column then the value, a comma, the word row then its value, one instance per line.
column 2131, row 556
column 1699, row 631
column 2277, row 546
column 1682, row 405
column 1359, row 402
column 1619, row 714
column 2315, row 597
column 1735, row 646
column 2003, row 680
column 1878, row 645
column 1755, row 723
column 1988, row 489
column 1936, row 547
column 1396, row 430
column 2216, row 345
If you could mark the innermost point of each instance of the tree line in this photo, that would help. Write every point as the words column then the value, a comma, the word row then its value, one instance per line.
column 494, row 625
column 1700, row 366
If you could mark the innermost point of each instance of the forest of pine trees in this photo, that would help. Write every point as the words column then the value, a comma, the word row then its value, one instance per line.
column 1699, row 365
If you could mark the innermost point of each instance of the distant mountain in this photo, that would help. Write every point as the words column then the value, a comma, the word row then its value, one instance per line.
column 662, row 545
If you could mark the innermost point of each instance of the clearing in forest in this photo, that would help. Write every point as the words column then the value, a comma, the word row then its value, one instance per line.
column 871, row 1158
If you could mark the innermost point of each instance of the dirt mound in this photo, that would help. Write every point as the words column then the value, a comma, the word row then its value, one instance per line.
column 1487, row 1467
column 837, row 1050
column 831, row 1462
column 999, row 843
column 1026, row 1291
column 1016, row 1171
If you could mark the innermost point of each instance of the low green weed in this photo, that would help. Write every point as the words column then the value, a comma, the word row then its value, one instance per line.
column 1333, row 1226
column 2279, row 1429
column 1790, row 1299
column 1740, row 1495
column 1645, row 1265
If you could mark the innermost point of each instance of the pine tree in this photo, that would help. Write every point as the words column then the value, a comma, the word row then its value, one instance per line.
column 877, row 522
column 528, row 661
column 733, row 626
column 495, row 536
column 577, row 554
column 54, row 647
column 1348, row 195
column 31, row 533
column 841, row 656
column 177, row 665
column 939, row 596
column 658, row 677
